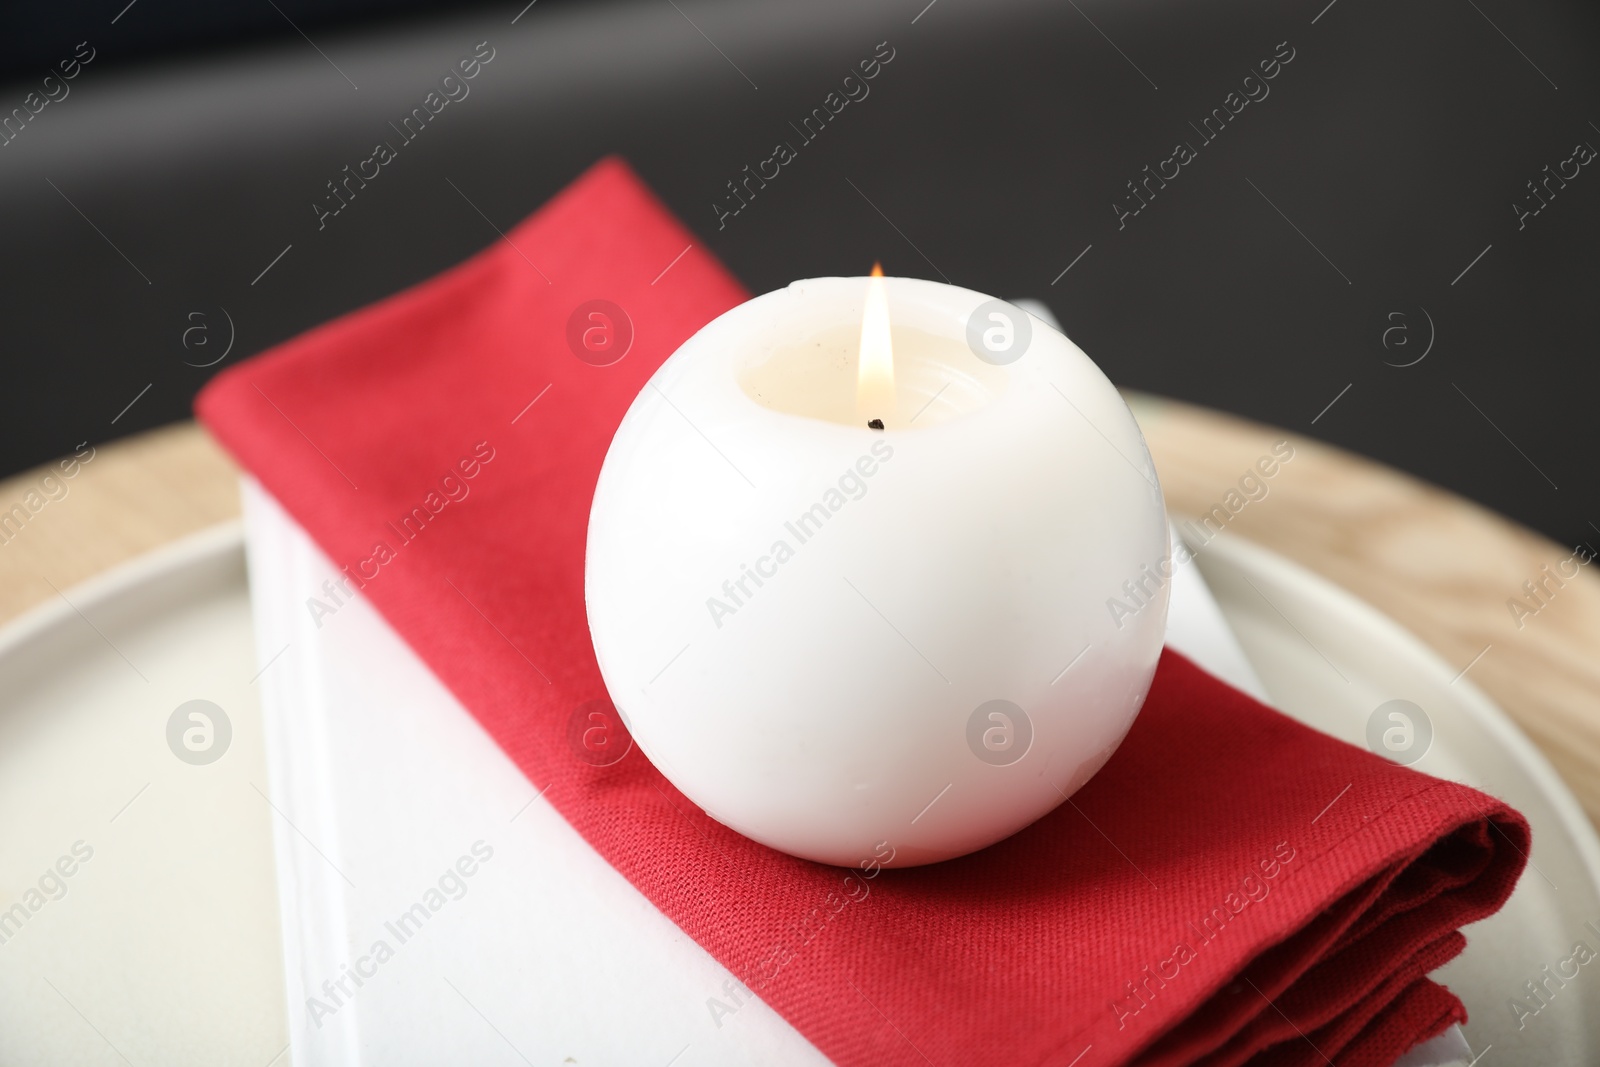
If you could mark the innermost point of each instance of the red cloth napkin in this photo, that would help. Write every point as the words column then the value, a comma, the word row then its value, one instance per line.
column 1230, row 884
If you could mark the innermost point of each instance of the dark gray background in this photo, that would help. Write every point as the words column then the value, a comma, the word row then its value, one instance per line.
column 993, row 147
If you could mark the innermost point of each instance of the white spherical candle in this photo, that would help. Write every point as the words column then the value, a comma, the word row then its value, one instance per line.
column 848, row 642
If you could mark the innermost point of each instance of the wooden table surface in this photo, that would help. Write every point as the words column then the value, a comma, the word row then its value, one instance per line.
column 1439, row 565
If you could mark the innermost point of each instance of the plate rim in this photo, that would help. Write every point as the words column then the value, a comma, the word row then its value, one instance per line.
column 210, row 544
column 1246, row 556
column 225, row 539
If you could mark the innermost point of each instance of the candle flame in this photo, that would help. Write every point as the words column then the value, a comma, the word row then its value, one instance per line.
column 875, row 394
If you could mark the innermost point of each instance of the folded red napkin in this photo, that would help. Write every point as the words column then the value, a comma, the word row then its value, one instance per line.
column 1231, row 884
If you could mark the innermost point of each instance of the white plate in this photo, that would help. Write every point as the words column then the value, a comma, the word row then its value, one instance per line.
column 166, row 949
column 1330, row 660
